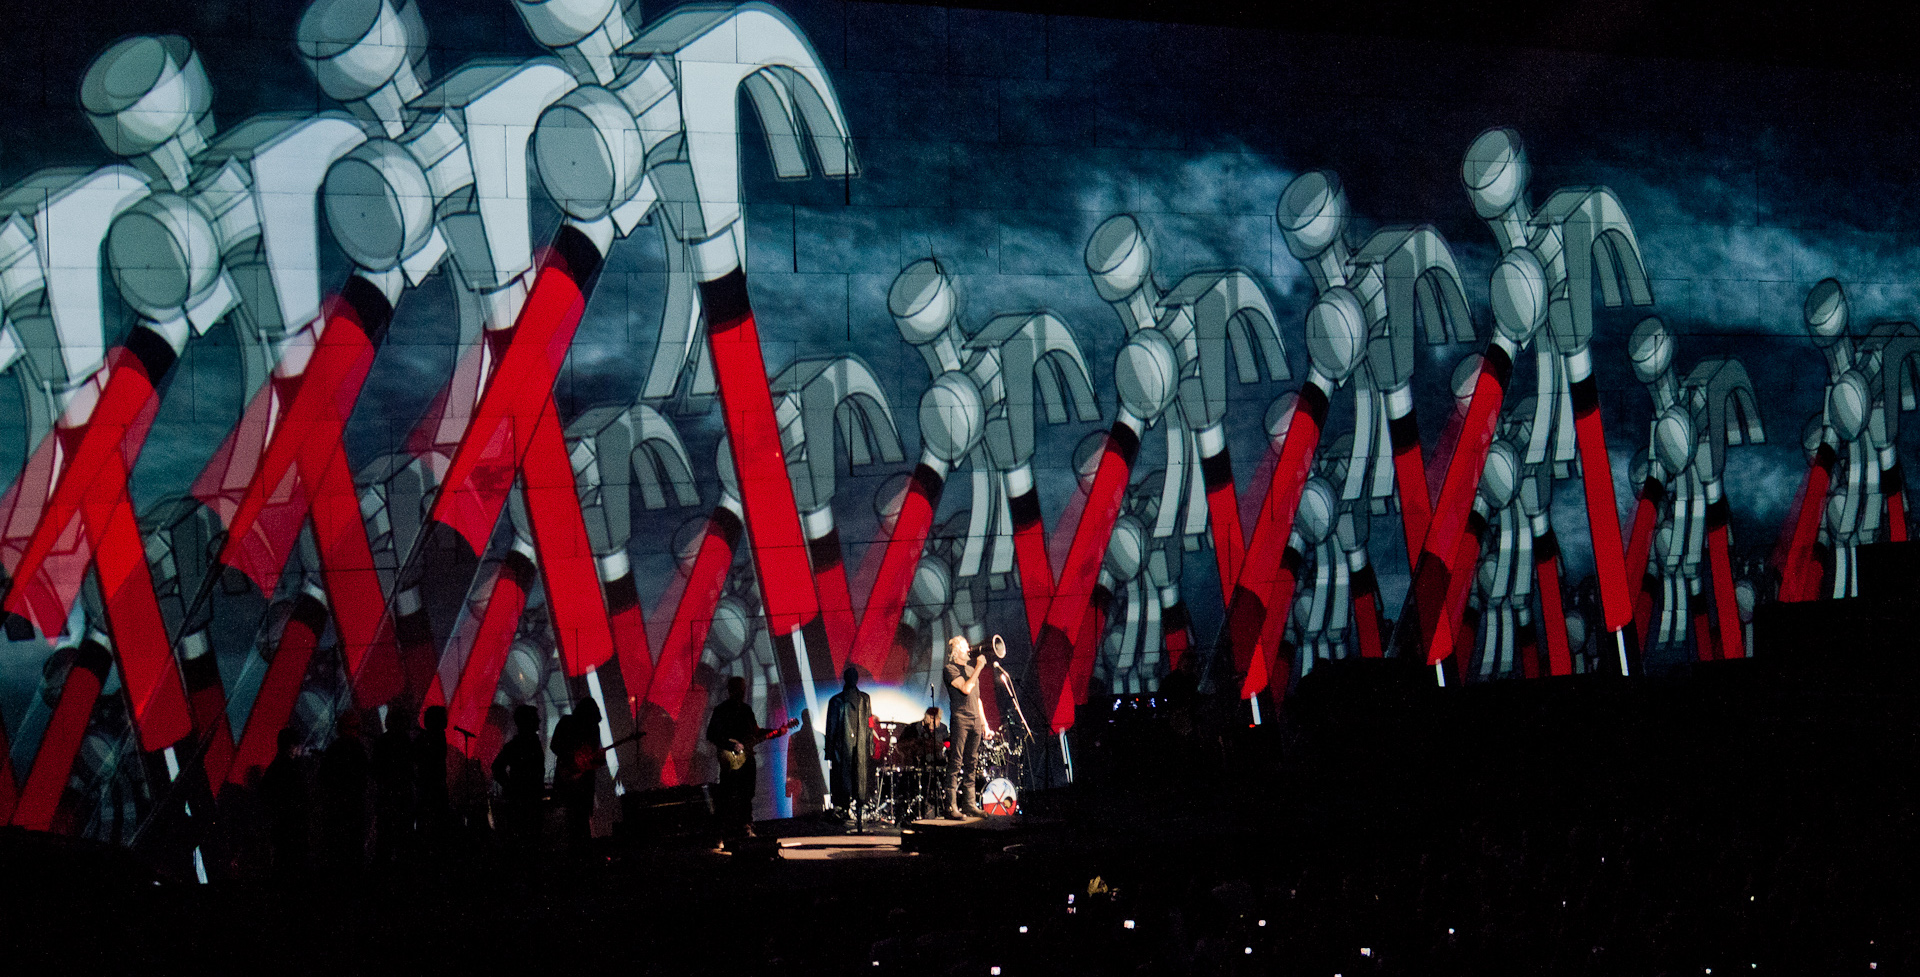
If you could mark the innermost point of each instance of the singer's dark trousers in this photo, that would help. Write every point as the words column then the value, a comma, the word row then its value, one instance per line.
column 963, row 758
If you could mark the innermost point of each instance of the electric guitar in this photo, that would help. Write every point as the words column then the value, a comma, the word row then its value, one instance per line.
column 585, row 758
column 735, row 759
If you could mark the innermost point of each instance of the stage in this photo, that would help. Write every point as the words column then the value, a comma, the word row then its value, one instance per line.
column 1732, row 818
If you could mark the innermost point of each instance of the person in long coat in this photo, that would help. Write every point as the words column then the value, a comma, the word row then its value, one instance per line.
column 850, row 745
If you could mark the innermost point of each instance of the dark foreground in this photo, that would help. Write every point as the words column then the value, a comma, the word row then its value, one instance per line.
column 1732, row 820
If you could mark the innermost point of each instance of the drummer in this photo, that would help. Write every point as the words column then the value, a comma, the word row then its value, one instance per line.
column 928, row 738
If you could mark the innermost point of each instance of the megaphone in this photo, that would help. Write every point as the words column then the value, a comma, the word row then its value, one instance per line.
column 999, row 648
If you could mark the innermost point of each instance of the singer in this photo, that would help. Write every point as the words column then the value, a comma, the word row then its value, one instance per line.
column 964, row 666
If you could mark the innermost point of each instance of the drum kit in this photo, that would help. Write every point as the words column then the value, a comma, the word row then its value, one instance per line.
column 911, row 781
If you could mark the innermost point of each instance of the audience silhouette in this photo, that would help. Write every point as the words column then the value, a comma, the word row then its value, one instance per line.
column 392, row 765
column 344, row 777
column 521, row 771
column 433, row 810
column 577, row 754
column 283, row 792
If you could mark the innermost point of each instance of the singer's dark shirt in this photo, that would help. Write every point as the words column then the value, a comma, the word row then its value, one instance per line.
column 965, row 708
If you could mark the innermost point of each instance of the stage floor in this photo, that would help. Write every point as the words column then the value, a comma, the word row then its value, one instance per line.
column 805, row 839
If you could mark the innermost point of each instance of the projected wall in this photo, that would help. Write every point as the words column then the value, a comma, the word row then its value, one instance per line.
column 392, row 353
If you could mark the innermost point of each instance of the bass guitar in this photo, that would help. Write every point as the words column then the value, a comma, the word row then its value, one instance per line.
column 735, row 759
column 585, row 759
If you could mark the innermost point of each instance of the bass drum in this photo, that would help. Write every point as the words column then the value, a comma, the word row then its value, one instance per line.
column 1000, row 797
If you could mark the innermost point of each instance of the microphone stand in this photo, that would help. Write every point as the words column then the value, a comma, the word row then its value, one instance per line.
column 1026, row 731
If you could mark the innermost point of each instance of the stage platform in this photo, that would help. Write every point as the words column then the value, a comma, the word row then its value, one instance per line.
column 816, row 838
column 975, row 836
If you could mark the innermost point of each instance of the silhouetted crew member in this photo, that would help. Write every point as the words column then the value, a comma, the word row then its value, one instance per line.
column 969, row 728
column 344, row 773
column 733, row 730
column 433, row 810
column 521, row 771
column 1181, row 687
column 393, row 786
column 577, row 754
column 850, row 744
column 283, row 792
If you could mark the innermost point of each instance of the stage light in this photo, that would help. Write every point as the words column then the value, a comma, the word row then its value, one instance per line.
column 1249, row 951
column 1069, row 898
column 1071, row 910
column 1449, row 931
column 1263, row 922
column 1366, row 951
column 1023, row 929
column 1128, row 924
column 995, row 971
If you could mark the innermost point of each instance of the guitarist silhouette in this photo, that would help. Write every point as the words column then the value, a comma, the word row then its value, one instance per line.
column 577, row 754
column 734, row 732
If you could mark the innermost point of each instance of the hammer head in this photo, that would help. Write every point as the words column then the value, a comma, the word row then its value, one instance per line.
column 1728, row 412
column 952, row 418
column 1501, row 478
column 1599, row 248
column 1039, row 368
column 814, row 399
column 1126, row 549
column 1119, row 258
column 380, row 205
column 1147, row 373
column 586, row 34
column 1318, row 504
column 369, row 55
column 1312, row 213
column 1673, row 440
column 165, row 258
column 932, row 589
column 1336, row 333
column 150, row 101
column 1848, row 400
column 1495, row 172
column 1898, row 345
column 734, row 622
column 63, row 219
column 495, row 107
column 1519, row 296
column 1825, row 312
column 1651, row 349
column 617, row 449
column 1221, row 311
column 714, row 51
column 1422, row 289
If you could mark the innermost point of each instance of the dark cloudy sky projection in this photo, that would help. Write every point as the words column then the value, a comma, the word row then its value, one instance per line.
column 997, row 142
